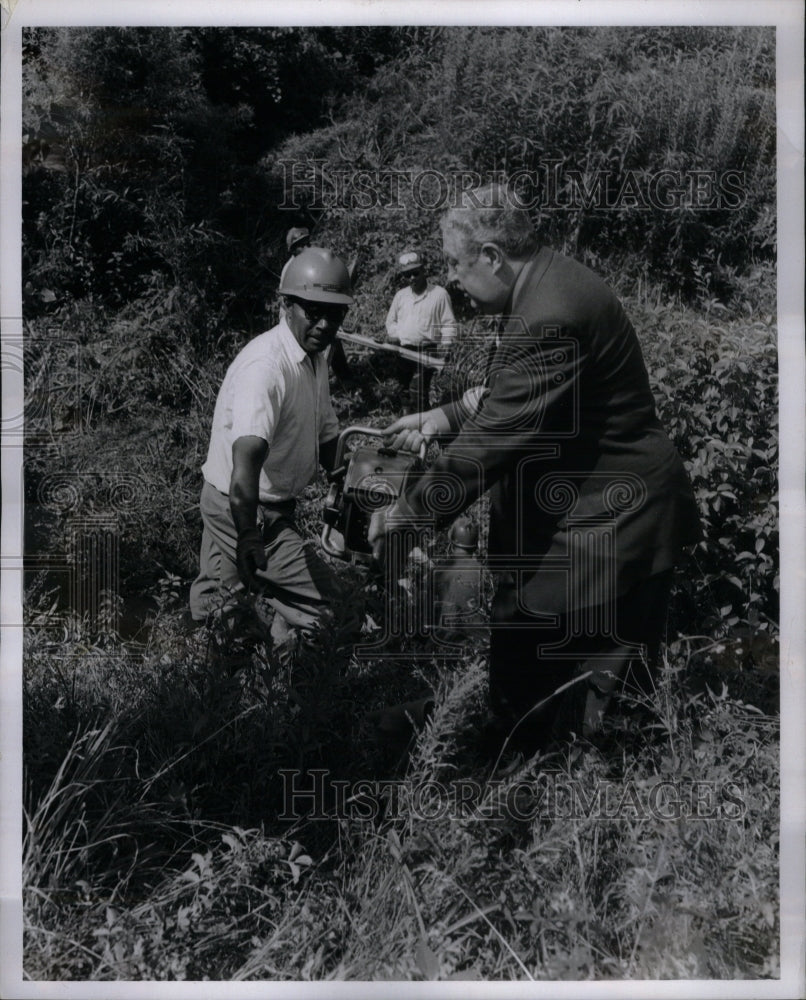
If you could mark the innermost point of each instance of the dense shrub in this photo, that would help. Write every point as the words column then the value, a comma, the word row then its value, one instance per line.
column 716, row 385
column 617, row 103
column 152, row 242
column 140, row 152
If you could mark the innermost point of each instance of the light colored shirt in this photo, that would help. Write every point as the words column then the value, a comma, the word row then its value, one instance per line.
column 427, row 315
column 275, row 391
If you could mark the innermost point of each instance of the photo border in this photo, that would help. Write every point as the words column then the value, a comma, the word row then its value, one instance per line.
column 787, row 16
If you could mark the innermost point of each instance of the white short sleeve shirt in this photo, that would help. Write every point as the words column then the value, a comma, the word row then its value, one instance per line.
column 275, row 391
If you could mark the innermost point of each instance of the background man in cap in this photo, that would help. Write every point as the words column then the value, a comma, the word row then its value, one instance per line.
column 296, row 240
column 590, row 504
column 273, row 426
column 420, row 318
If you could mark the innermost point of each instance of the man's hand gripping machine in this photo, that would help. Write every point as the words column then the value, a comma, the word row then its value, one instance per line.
column 365, row 480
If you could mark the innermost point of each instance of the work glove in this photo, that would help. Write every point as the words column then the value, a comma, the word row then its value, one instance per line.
column 250, row 556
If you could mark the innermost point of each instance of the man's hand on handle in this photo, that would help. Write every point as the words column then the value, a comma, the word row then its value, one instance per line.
column 410, row 432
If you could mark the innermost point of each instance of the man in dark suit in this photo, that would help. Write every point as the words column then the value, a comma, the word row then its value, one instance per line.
column 590, row 503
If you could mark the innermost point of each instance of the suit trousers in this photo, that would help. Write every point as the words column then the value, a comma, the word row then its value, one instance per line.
column 296, row 582
column 616, row 645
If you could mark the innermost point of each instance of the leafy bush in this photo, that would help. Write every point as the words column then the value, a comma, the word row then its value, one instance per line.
column 152, row 844
column 621, row 103
column 716, row 386
column 141, row 148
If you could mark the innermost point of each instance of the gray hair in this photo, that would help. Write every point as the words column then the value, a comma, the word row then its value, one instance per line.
column 492, row 214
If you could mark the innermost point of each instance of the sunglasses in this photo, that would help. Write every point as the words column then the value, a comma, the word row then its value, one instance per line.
column 314, row 311
column 406, row 276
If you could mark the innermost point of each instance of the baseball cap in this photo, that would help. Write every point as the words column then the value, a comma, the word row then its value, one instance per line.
column 296, row 235
column 410, row 260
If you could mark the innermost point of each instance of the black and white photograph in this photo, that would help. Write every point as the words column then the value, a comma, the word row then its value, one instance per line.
column 403, row 499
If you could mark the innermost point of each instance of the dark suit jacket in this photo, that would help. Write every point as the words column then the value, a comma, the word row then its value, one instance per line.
column 588, row 495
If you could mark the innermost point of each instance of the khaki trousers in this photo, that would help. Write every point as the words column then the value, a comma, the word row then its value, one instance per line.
column 296, row 582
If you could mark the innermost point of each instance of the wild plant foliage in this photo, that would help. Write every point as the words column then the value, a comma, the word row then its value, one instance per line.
column 141, row 152
column 591, row 116
column 154, row 163
column 153, row 154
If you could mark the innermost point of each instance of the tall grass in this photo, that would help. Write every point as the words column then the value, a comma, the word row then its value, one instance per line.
column 128, row 877
column 153, row 844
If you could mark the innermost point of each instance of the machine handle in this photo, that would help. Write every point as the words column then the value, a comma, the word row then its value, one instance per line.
column 329, row 547
column 353, row 431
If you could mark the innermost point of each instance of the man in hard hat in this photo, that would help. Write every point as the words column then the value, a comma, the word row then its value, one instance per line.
column 296, row 240
column 420, row 318
column 590, row 505
column 273, row 426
